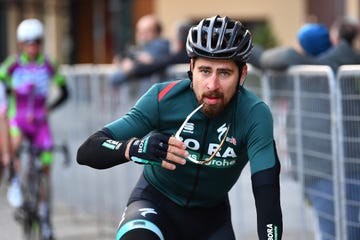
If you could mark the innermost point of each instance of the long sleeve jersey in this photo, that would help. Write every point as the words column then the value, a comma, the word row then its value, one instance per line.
column 249, row 139
column 29, row 82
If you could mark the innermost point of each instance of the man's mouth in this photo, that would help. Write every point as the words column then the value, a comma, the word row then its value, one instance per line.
column 211, row 99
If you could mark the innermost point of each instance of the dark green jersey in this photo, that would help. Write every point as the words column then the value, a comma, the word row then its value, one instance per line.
column 250, row 138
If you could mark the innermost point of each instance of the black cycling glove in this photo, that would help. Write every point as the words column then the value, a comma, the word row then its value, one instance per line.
column 151, row 149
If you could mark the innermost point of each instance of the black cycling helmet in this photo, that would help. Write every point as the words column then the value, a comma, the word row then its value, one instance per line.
column 219, row 38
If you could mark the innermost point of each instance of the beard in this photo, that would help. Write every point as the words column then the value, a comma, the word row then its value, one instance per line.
column 213, row 110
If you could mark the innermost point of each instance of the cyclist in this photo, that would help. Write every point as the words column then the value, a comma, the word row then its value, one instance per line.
column 183, row 191
column 28, row 76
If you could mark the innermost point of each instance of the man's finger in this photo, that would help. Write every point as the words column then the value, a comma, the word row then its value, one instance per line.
column 175, row 142
column 168, row 165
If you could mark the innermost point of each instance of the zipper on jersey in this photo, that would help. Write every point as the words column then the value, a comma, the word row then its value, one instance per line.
column 199, row 166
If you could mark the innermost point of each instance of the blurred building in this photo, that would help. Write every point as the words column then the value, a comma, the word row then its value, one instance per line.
column 92, row 31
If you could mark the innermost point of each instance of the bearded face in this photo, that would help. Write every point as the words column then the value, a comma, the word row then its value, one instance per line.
column 214, row 83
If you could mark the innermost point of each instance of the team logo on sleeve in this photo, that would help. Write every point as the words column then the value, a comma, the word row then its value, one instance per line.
column 111, row 144
column 272, row 232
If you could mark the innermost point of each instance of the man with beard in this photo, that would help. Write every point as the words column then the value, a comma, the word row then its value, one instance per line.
column 194, row 137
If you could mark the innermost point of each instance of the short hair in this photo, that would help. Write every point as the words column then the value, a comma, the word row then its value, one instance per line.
column 347, row 27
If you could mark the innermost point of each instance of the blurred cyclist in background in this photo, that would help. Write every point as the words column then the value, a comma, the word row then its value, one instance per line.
column 28, row 76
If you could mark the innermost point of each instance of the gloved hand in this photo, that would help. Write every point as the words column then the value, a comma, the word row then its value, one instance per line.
column 151, row 149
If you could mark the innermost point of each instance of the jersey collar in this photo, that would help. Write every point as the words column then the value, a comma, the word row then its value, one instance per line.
column 24, row 58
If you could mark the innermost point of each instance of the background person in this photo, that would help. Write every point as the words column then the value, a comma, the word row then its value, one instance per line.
column 29, row 74
column 178, row 55
column 149, row 47
column 343, row 34
column 189, row 170
column 312, row 40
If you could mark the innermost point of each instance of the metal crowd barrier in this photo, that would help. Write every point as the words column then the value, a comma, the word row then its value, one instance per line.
column 317, row 129
column 322, row 125
column 348, row 105
column 304, row 98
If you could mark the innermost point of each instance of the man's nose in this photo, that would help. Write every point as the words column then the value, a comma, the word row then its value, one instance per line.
column 213, row 82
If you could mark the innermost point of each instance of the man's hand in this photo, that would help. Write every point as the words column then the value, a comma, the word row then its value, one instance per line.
column 158, row 149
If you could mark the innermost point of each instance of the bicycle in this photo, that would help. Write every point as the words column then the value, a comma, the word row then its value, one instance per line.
column 35, row 186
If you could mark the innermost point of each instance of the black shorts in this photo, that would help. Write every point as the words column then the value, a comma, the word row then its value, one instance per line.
column 148, row 208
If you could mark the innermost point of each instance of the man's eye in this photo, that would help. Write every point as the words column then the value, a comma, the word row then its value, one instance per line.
column 224, row 74
column 204, row 71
